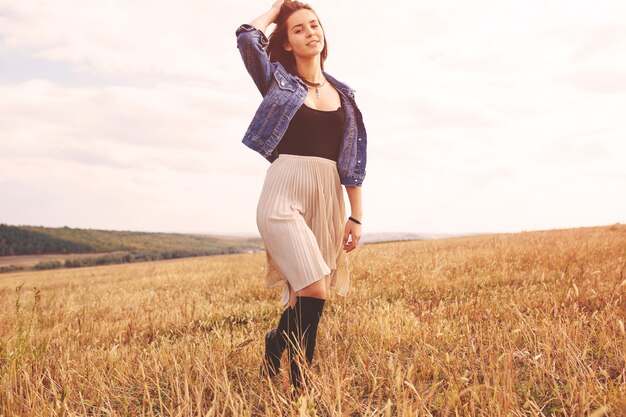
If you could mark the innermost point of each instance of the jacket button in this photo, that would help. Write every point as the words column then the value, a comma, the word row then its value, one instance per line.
column 359, row 161
column 359, row 139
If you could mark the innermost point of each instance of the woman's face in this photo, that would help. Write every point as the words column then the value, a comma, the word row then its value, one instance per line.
column 305, row 37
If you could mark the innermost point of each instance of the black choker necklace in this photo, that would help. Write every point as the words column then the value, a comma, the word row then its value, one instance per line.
column 316, row 85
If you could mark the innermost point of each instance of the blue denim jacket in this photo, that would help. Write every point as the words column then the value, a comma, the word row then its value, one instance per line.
column 283, row 94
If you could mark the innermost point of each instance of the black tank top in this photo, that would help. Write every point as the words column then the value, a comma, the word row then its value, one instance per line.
column 313, row 132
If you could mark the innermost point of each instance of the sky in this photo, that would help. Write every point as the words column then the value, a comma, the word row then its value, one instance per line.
column 481, row 116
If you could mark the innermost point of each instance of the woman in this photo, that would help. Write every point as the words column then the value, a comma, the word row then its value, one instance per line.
column 311, row 130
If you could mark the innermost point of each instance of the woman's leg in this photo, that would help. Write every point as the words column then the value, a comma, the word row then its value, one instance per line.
column 277, row 341
column 317, row 290
column 301, row 344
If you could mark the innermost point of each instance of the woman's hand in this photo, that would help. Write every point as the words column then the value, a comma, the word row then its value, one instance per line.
column 275, row 10
column 354, row 230
column 277, row 4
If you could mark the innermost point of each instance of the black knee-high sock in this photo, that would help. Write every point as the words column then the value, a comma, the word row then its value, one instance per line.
column 308, row 312
column 285, row 324
column 311, row 315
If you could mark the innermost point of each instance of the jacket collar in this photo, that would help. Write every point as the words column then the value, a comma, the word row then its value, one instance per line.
column 346, row 89
column 341, row 86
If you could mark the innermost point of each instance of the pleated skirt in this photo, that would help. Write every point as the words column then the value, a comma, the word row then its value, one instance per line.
column 301, row 218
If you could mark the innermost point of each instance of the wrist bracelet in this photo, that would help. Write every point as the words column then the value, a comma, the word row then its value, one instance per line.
column 354, row 220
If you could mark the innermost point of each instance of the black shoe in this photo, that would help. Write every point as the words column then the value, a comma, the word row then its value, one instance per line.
column 271, row 362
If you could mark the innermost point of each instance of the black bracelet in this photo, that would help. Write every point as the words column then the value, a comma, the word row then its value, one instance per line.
column 354, row 220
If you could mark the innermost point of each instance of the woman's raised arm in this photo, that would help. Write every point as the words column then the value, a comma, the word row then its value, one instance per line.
column 251, row 42
column 263, row 21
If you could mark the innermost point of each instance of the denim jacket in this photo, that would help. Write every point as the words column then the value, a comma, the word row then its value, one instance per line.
column 283, row 94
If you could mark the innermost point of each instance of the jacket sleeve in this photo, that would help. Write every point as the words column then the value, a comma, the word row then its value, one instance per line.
column 251, row 43
column 357, row 176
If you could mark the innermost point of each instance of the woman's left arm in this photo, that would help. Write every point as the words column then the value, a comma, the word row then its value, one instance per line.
column 353, row 229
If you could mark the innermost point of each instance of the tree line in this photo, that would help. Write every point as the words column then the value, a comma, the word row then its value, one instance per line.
column 120, row 258
column 17, row 241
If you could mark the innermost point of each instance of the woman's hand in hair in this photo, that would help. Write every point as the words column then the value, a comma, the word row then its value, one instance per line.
column 275, row 10
column 277, row 5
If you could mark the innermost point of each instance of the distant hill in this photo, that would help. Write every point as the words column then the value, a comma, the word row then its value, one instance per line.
column 39, row 240
column 26, row 247
column 391, row 236
column 107, row 246
column 29, row 240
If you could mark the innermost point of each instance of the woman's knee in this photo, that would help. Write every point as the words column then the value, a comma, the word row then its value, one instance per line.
column 316, row 289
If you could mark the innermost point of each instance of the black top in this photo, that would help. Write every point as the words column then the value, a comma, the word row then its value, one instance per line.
column 313, row 132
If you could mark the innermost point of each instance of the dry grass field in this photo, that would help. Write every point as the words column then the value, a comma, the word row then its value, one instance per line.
column 528, row 324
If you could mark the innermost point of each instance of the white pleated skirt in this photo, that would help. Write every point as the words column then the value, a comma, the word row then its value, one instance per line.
column 301, row 219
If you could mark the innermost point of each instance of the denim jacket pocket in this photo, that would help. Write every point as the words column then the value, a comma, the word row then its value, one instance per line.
column 283, row 82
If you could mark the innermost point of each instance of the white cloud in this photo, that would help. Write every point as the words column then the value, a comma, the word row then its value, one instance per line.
column 114, row 37
column 39, row 112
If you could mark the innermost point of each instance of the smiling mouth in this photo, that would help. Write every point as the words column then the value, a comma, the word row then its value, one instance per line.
column 312, row 43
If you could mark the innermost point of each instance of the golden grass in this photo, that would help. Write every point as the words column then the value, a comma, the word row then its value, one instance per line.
column 528, row 324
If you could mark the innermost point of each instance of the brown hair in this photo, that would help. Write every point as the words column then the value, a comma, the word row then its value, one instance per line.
column 278, row 37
